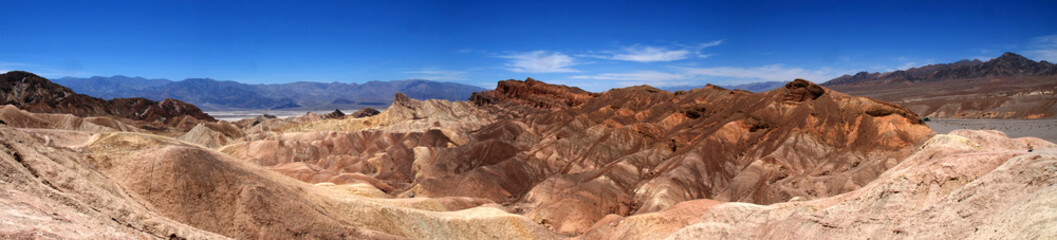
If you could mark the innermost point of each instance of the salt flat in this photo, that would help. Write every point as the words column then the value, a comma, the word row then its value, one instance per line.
column 231, row 116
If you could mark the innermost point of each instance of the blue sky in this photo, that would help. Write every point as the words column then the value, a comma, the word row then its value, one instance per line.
column 594, row 45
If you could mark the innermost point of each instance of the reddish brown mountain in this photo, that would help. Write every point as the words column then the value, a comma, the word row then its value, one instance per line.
column 533, row 93
column 37, row 94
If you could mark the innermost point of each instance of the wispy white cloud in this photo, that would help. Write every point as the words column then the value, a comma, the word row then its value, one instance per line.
column 43, row 70
column 650, row 54
column 719, row 75
column 907, row 65
column 982, row 58
column 909, row 62
column 1043, row 48
column 10, row 66
column 437, row 75
column 710, row 44
column 653, row 78
column 541, row 62
column 637, row 75
column 642, row 53
column 774, row 72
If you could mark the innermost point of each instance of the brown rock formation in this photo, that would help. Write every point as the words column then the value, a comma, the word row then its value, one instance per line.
column 365, row 112
column 335, row 114
column 533, row 93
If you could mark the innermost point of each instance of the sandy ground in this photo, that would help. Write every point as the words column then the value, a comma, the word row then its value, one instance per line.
column 1014, row 128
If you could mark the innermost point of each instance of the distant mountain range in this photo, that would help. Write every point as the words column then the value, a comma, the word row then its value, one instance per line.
column 212, row 94
column 755, row 87
column 1008, row 86
column 1007, row 65
column 33, row 93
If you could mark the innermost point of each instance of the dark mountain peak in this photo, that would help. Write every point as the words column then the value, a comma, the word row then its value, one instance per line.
column 713, row 86
column 169, row 108
column 400, row 99
column 1007, row 65
column 800, row 90
column 335, row 114
column 967, row 62
column 21, row 75
column 365, row 112
column 1011, row 55
column 1012, row 58
column 27, row 81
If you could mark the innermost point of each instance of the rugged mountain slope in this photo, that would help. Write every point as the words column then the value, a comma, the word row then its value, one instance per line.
column 36, row 94
column 966, row 185
column 227, row 95
column 1009, row 86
